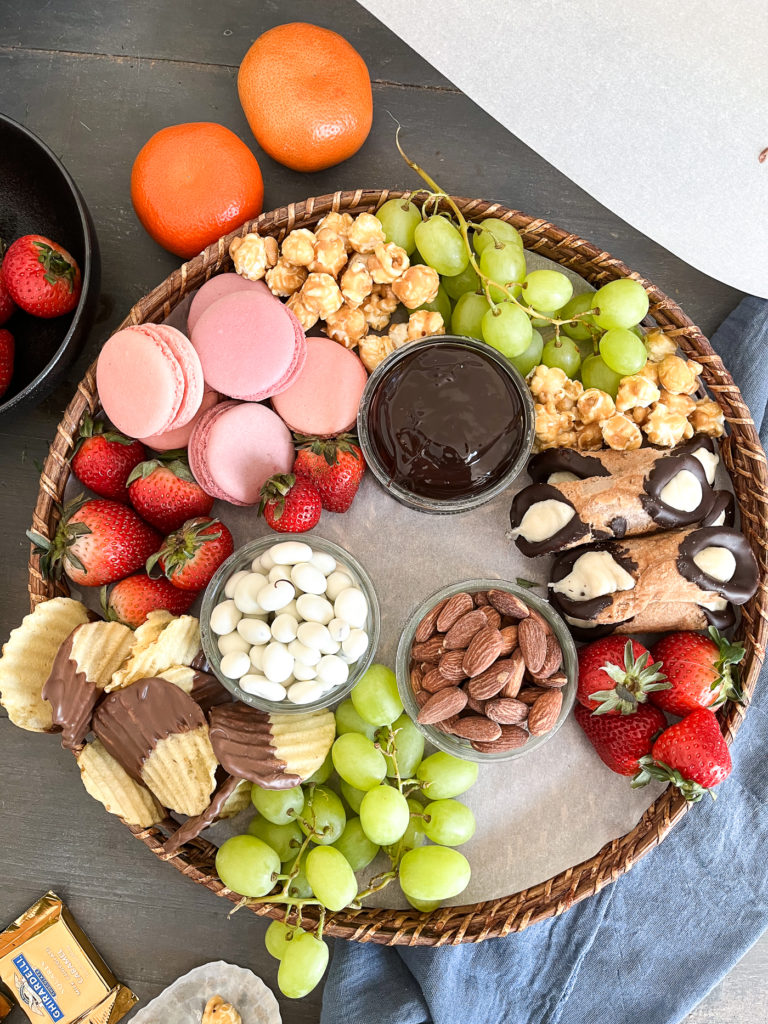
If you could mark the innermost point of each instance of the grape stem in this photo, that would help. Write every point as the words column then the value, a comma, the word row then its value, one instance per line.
column 383, row 881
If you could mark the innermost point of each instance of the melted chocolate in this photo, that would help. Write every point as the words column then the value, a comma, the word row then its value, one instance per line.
column 562, row 567
column 695, row 443
column 618, row 526
column 559, row 460
column 665, row 516
column 572, row 531
column 208, row 692
column 742, row 584
column 723, row 503
column 446, row 422
column 131, row 722
column 72, row 696
column 242, row 740
column 192, row 827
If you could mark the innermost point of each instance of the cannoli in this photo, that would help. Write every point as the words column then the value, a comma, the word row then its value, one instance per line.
column 662, row 493
column 652, row 582
column 677, row 616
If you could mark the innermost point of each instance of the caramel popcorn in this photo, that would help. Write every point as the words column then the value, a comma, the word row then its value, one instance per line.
column 321, row 295
column 424, row 323
column 305, row 316
column 387, row 262
column 417, row 285
column 651, row 372
column 620, row 433
column 658, row 346
column 552, row 425
column 217, row 1011
column 640, row 414
column 594, row 405
column 683, row 405
column 330, row 253
column 356, row 283
column 666, row 428
column 572, row 392
column 347, row 325
column 366, row 233
column 379, row 306
column 589, row 437
column 285, row 278
column 548, row 384
column 339, row 223
column 679, row 376
column 298, row 247
column 707, row 418
column 636, row 392
column 375, row 349
column 253, row 255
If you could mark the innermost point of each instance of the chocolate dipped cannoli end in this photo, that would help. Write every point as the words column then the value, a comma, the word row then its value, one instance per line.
column 543, row 521
column 719, row 560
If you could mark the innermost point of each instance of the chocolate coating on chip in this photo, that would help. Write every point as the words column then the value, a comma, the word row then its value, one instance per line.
column 72, row 696
column 241, row 737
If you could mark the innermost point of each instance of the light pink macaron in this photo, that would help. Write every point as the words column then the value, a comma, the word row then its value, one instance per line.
column 236, row 447
column 179, row 438
column 324, row 398
column 216, row 288
column 250, row 346
column 189, row 361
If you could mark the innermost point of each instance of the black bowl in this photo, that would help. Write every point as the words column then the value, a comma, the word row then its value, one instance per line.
column 38, row 196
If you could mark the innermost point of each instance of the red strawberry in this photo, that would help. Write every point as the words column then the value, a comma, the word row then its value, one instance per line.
column 290, row 504
column 190, row 556
column 615, row 677
column 621, row 740
column 41, row 277
column 7, row 305
column 96, row 542
column 691, row 754
column 166, row 494
column 104, row 459
column 335, row 466
column 7, row 346
column 699, row 670
column 132, row 599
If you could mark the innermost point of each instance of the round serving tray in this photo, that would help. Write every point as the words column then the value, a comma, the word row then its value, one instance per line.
column 743, row 457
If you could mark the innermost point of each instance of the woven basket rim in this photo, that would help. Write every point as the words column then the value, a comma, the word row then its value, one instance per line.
column 743, row 457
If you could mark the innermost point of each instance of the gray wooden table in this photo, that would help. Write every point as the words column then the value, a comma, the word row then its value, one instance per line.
column 95, row 80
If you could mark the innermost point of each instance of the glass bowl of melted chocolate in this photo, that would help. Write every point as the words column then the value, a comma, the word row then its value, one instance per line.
column 446, row 424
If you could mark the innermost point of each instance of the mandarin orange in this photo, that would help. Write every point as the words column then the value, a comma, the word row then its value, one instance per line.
column 306, row 93
column 192, row 183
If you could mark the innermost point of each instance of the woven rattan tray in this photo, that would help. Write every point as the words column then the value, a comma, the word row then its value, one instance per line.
column 743, row 457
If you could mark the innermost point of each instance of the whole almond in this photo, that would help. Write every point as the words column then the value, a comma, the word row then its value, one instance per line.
column 533, row 643
column 483, row 650
column 463, row 629
column 508, row 604
column 553, row 658
column 492, row 681
column 512, row 737
column 478, row 728
column 447, row 725
column 434, row 680
column 506, row 710
column 428, row 624
column 553, row 682
column 453, row 609
column 452, row 666
column 421, row 697
column 544, row 712
column 492, row 617
column 417, row 677
column 474, row 704
column 430, row 651
column 512, row 686
column 481, row 598
column 509, row 638
column 442, row 705
column 530, row 694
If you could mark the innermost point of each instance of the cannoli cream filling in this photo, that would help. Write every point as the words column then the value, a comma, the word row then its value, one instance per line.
column 594, row 574
column 715, row 604
column 709, row 461
column 717, row 562
column 562, row 476
column 683, row 491
column 543, row 520
column 720, row 521
column 572, row 620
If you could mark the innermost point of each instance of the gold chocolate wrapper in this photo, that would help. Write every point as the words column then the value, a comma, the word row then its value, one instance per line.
column 53, row 971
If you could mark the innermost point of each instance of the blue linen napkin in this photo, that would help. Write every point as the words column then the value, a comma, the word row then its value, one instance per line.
column 648, row 947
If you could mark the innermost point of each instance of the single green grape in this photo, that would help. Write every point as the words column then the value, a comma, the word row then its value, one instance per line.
column 448, row 822
column 376, row 698
column 384, row 815
column 300, row 889
column 526, row 361
column 460, row 284
column 399, row 218
column 324, row 772
column 278, row 805
column 546, row 289
column 354, row 797
column 355, row 845
column 440, row 304
column 622, row 351
column 324, row 814
column 331, row 877
column 468, row 313
column 595, row 374
column 285, row 840
column 505, row 266
column 303, row 965
column 277, row 937
column 358, row 761
column 409, row 747
column 578, row 304
column 441, row 245
column 564, row 353
column 507, row 328
column 621, row 303
column 246, row 865
column 414, row 834
column 434, row 873
column 495, row 232
column 443, row 776
column 425, row 906
column 348, row 720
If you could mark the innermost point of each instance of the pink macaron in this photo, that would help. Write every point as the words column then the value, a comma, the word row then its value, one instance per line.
column 236, row 447
column 324, row 398
column 189, row 361
column 250, row 346
column 179, row 438
column 216, row 288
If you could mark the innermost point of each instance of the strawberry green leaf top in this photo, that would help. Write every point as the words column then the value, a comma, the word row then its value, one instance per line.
column 615, row 676
column 290, row 504
column 41, row 277
column 334, row 465
column 701, row 670
column 190, row 556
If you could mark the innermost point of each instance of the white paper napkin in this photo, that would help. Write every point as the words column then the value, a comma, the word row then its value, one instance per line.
column 183, row 1002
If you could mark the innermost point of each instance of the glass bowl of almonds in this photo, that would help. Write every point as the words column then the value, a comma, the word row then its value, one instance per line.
column 487, row 670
